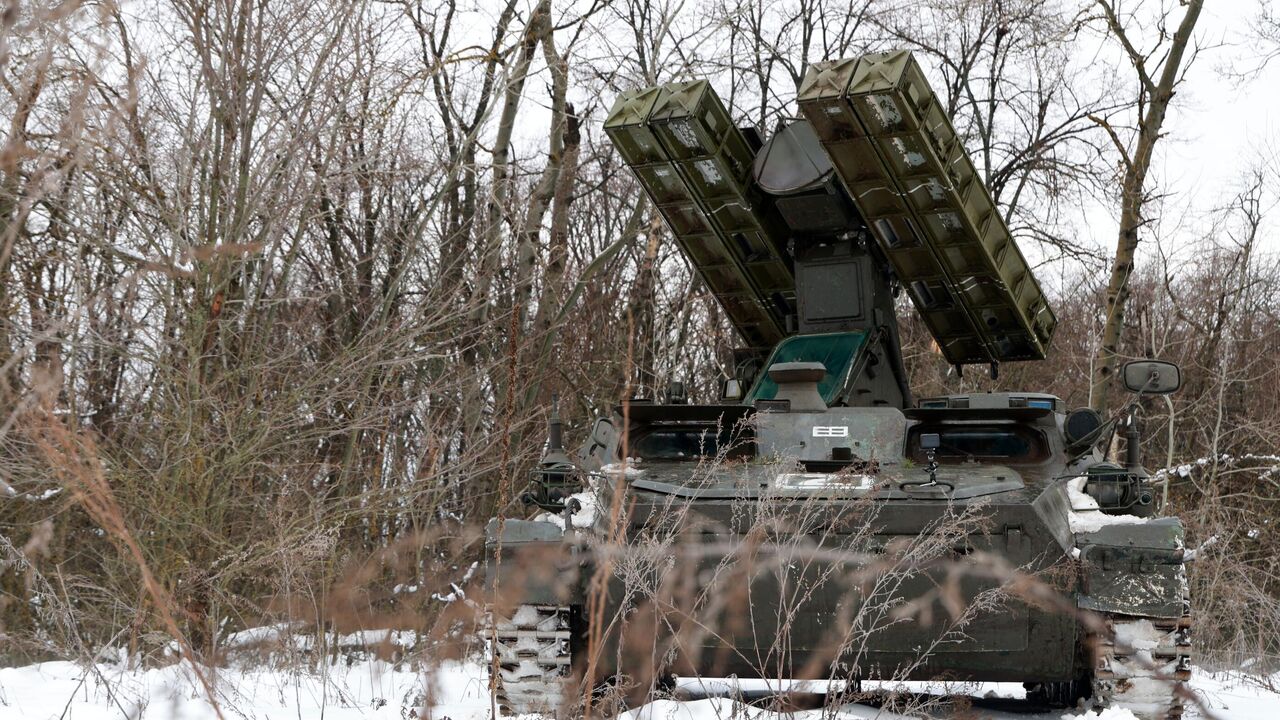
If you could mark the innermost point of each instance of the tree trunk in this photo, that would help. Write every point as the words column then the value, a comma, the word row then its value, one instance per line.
column 643, row 300
column 548, row 187
column 1156, row 96
column 558, row 245
column 539, row 22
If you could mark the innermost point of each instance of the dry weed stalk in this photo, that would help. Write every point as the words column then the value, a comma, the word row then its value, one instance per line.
column 75, row 461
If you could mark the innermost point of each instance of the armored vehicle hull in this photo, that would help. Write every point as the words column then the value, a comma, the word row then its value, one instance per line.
column 748, row 561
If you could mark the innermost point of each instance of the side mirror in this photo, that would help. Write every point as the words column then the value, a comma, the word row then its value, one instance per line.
column 930, row 441
column 731, row 389
column 1151, row 377
column 602, row 432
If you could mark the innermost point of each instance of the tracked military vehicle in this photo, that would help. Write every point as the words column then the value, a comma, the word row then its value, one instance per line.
column 805, row 240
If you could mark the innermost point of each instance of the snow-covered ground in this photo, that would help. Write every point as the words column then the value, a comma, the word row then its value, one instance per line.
column 452, row 690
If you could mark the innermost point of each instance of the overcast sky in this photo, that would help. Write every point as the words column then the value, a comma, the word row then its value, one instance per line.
column 1220, row 125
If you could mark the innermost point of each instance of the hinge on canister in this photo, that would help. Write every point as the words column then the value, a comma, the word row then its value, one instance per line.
column 1144, row 563
column 1014, row 541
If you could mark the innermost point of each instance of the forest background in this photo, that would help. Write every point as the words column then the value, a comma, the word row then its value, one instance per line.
column 286, row 288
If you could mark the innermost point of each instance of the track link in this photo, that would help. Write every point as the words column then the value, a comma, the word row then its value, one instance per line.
column 1143, row 665
column 533, row 659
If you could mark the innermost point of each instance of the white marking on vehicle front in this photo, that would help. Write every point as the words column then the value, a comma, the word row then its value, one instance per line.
column 823, row 481
column 831, row 431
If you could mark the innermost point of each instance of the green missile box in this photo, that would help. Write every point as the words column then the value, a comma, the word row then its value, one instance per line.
column 696, row 167
column 905, row 168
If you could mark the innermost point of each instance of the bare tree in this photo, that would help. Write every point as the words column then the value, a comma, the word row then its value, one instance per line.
column 1159, row 71
column 771, row 45
column 1266, row 29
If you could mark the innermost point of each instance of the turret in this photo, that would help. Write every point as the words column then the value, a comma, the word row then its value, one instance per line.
column 814, row 232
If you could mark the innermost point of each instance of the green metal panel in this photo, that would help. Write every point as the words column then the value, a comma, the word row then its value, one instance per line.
column 836, row 351
column 627, row 129
column 903, row 164
column 696, row 167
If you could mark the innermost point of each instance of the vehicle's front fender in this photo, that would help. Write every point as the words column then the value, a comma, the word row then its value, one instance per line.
column 530, row 562
column 1134, row 569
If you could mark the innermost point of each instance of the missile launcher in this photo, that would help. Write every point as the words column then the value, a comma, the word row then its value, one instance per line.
column 903, row 167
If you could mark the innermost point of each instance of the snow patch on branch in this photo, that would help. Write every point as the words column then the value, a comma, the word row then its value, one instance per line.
column 455, row 593
column 1270, row 462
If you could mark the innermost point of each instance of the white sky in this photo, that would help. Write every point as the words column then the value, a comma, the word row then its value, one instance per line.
column 1219, row 126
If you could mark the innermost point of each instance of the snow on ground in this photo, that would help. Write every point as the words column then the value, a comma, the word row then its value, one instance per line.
column 365, row 689
column 458, row 691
